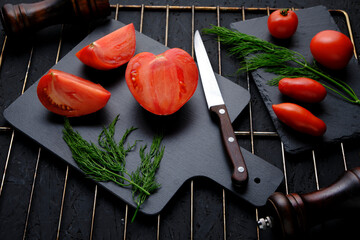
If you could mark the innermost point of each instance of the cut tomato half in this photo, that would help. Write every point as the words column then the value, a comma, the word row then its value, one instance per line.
column 110, row 51
column 68, row 95
column 162, row 83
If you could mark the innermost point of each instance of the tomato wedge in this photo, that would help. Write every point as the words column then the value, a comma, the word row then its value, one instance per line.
column 162, row 83
column 299, row 119
column 110, row 51
column 68, row 95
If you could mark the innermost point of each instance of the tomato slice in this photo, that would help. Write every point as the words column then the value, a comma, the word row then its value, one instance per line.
column 68, row 95
column 162, row 83
column 110, row 51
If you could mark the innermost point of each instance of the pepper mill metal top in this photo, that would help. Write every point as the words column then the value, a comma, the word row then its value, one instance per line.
column 26, row 18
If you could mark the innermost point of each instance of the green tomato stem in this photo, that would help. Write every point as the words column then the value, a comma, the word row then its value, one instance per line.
column 284, row 11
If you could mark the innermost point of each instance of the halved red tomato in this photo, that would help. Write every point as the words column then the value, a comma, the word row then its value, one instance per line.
column 162, row 83
column 110, row 51
column 69, row 95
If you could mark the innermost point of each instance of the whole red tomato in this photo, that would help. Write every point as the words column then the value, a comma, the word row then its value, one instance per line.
column 162, row 83
column 331, row 49
column 299, row 119
column 110, row 51
column 282, row 23
column 68, row 95
column 302, row 89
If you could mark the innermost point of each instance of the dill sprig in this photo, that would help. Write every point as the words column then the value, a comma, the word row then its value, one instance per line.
column 144, row 175
column 255, row 53
column 106, row 162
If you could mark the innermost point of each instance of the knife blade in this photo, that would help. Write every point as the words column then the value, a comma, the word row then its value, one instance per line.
column 217, row 105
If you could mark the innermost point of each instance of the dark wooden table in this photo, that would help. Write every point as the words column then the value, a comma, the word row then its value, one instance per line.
column 43, row 198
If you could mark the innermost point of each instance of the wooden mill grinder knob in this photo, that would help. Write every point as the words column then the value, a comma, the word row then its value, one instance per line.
column 292, row 216
column 27, row 18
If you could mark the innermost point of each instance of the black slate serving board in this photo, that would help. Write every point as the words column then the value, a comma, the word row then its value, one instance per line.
column 192, row 139
column 342, row 118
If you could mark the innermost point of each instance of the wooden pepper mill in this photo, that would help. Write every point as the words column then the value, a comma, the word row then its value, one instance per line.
column 292, row 216
column 27, row 18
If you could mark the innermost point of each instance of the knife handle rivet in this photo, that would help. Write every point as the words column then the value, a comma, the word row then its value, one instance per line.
column 222, row 111
column 231, row 139
column 241, row 169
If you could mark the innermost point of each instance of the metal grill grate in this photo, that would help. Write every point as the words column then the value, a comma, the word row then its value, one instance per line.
column 251, row 133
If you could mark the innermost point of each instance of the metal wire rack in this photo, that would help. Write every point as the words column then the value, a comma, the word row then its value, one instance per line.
column 218, row 10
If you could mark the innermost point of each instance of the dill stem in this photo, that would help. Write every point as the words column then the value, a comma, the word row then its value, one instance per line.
column 122, row 177
column 125, row 179
column 354, row 99
column 135, row 213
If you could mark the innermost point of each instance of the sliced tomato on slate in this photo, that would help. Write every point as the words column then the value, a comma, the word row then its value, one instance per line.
column 162, row 83
column 68, row 95
column 110, row 51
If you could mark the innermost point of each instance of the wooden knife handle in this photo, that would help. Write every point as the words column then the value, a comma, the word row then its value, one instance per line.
column 29, row 17
column 240, row 174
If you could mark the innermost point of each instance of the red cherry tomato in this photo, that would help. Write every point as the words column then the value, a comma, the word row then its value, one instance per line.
column 282, row 23
column 302, row 89
column 332, row 49
column 110, row 51
column 299, row 119
column 68, row 95
column 162, row 83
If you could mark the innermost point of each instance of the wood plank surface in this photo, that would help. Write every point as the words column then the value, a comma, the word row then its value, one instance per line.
column 41, row 197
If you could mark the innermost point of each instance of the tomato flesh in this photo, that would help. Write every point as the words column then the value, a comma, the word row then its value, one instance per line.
column 282, row 23
column 162, row 83
column 110, row 51
column 68, row 95
column 332, row 49
column 299, row 119
column 302, row 89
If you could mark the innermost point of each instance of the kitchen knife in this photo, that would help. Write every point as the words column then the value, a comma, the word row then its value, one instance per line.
column 217, row 105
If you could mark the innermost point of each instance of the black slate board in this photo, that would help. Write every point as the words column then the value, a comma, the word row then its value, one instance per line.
column 192, row 140
column 342, row 118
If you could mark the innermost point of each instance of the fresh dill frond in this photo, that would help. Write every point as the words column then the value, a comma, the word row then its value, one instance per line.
column 106, row 161
column 144, row 175
column 255, row 53
column 116, row 153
